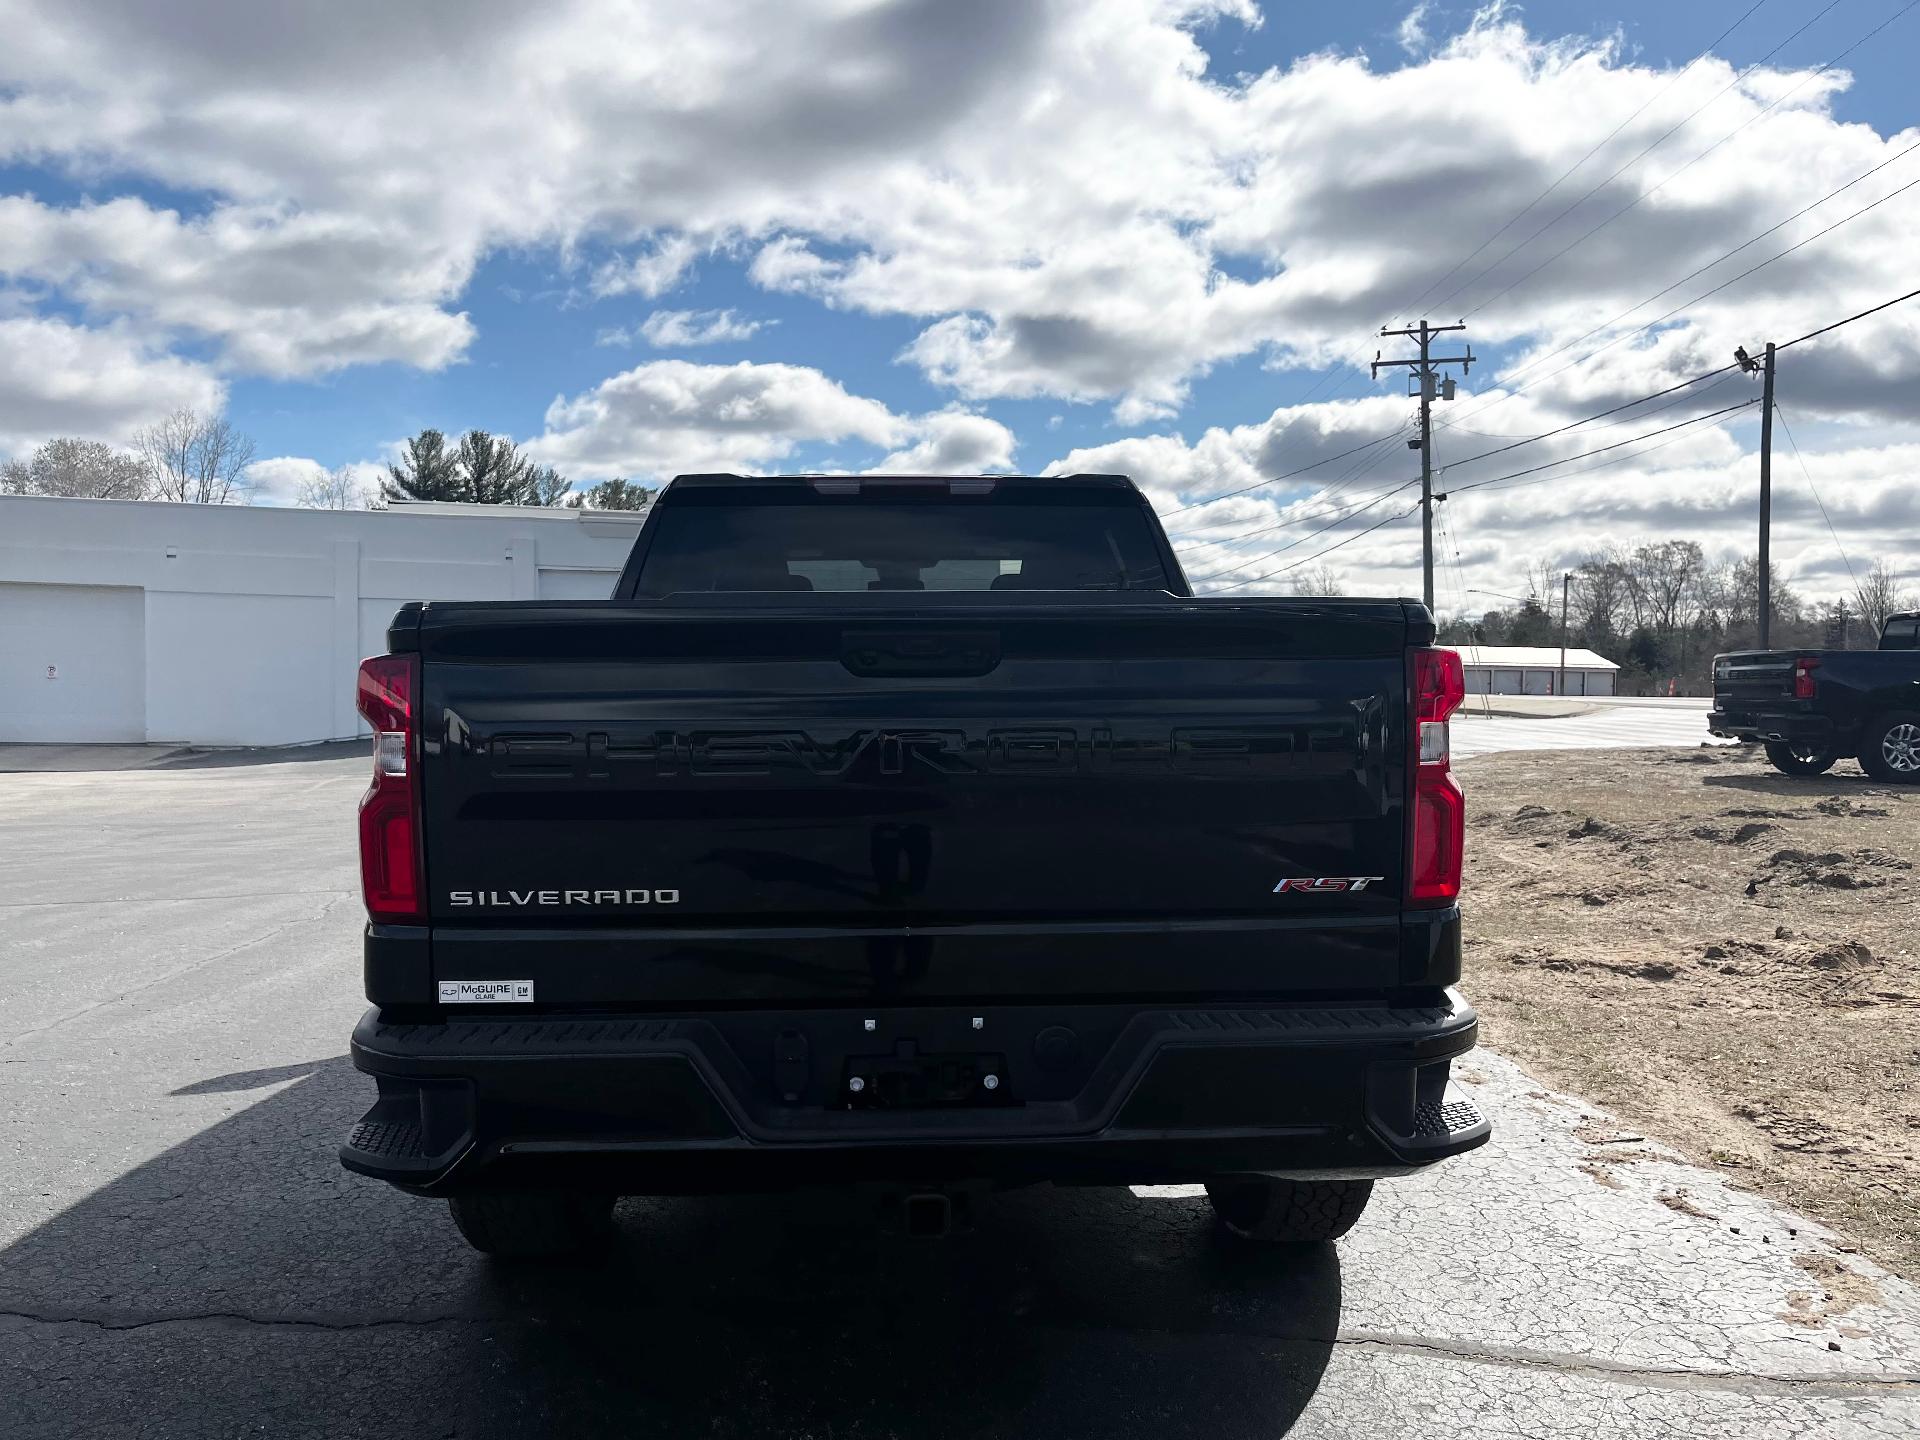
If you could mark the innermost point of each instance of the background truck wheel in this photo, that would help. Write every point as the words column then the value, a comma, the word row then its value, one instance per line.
column 1794, row 759
column 1288, row 1212
column 1890, row 747
column 533, row 1225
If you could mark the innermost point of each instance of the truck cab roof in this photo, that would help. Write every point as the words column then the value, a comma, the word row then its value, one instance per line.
column 842, row 483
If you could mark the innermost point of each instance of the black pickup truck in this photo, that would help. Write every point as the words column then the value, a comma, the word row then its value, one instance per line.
column 1810, row 707
column 920, row 833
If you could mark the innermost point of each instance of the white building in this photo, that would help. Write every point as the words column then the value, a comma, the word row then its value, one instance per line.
column 1534, row 670
column 129, row 620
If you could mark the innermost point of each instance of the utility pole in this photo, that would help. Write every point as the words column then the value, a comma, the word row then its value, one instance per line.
column 1766, row 484
column 1566, row 585
column 1427, row 378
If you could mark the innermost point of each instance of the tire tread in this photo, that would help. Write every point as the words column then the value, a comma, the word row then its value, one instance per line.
column 1288, row 1212
column 532, row 1225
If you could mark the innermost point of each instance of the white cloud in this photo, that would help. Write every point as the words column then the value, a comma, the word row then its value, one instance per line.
column 286, row 293
column 1699, row 482
column 1065, row 195
column 673, row 416
column 650, row 273
column 62, row 379
column 675, row 329
column 785, row 263
column 680, row 329
column 1060, row 200
column 953, row 442
column 1412, row 33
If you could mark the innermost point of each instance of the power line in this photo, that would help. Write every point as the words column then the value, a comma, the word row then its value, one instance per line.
column 1426, row 368
column 1691, row 274
column 1358, row 535
column 1276, row 479
column 1861, row 315
column 1644, row 194
column 1567, row 174
column 1807, row 474
column 1349, row 507
column 1597, row 465
column 1628, row 335
column 1638, row 157
column 1368, row 465
column 1601, row 450
column 1237, row 563
column 1629, row 405
column 1319, row 497
column 1348, row 512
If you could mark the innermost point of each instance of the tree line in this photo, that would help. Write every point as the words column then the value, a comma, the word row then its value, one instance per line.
column 1662, row 611
column 194, row 458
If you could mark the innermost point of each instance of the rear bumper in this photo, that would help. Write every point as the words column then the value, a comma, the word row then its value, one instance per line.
column 1797, row 727
column 649, row 1104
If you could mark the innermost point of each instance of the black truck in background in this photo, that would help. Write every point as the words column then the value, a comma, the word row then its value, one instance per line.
column 1811, row 707
column 920, row 832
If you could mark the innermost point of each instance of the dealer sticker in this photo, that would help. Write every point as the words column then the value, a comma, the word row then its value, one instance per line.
column 486, row 992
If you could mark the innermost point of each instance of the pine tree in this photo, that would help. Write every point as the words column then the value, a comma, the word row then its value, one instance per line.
column 612, row 495
column 482, row 469
column 427, row 473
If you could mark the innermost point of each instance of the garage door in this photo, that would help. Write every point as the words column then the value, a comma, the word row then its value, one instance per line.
column 73, row 663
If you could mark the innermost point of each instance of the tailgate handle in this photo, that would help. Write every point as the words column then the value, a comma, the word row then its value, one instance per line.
column 920, row 652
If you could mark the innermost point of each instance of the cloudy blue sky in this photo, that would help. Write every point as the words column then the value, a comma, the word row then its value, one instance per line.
column 1138, row 235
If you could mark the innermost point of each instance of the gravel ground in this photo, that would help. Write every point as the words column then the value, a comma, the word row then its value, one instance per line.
column 1723, row 956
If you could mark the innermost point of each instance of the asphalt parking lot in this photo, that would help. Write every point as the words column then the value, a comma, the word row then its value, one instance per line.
column 181, row 1255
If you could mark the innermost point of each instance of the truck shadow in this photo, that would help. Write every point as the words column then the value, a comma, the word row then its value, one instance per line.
column 1852, row 781
column 241, row 1281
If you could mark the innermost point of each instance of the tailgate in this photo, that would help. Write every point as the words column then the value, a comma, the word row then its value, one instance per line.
column 819, row 801
column 1745, row 678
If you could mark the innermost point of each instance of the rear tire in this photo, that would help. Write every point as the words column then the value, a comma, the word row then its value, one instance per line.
column 1807, row 760
column 1890, row 747
column 533, row 1225
column 1266, row 1211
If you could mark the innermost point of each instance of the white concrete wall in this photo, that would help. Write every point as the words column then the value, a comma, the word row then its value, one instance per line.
column 252, row 620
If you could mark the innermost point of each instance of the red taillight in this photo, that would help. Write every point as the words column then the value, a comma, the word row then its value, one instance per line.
column 1803, row 669
column 1437, row 819
column 390, row 810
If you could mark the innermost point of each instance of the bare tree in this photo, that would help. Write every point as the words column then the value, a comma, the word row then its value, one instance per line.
column 1543, row 584
column 1878, row 595
column 1319, row 580
column 1663, row 584
column 196, row 459
column 338, row 489
column 81, row 469
column 1600, row 597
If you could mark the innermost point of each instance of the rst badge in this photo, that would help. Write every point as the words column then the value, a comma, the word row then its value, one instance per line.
column 1325, row 884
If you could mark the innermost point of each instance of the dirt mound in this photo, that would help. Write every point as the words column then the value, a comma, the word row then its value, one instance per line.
column 1842, row 806
column 1861, row 869
column 1591, row 829
column 1739, row 835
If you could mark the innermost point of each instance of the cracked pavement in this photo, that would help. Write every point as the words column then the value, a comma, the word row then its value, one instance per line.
column 181, row 1255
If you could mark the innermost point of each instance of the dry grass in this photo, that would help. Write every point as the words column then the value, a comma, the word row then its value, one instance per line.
column 1719, row 954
